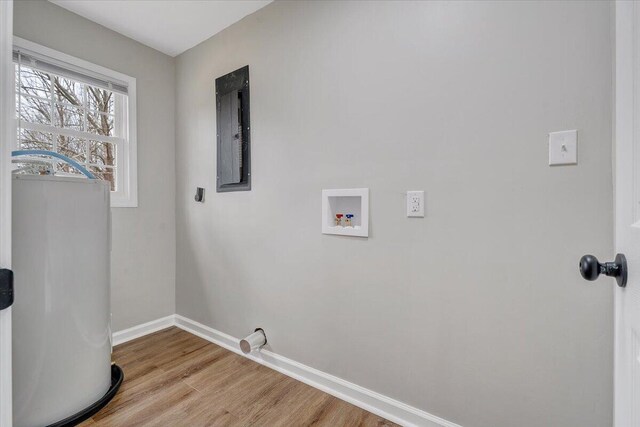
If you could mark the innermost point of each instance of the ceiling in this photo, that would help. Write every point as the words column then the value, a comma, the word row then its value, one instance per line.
column 170, row 26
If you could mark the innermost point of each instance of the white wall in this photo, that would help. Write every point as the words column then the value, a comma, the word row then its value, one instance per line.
column 143, row 250
column 476, row 313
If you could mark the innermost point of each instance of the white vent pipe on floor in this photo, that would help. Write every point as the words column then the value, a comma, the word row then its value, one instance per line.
column 253, row 342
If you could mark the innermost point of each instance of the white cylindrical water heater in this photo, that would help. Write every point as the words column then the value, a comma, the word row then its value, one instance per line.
column 61, row 313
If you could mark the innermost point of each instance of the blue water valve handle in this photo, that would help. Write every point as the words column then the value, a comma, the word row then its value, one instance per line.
column 349, row 216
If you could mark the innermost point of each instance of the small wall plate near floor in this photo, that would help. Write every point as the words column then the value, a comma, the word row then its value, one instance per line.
column 346, row 212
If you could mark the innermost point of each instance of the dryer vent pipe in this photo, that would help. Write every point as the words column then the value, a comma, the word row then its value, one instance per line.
column 253, row 342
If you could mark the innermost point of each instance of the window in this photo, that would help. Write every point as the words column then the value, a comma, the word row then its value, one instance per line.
column 80, row 110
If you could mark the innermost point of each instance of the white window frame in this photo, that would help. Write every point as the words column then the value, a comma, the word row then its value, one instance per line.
column 126, row 194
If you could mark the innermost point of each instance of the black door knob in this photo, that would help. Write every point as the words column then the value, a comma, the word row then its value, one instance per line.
column 591, row 268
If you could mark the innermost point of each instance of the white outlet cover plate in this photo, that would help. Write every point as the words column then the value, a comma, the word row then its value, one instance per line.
column 415, row 204
column 563, row 148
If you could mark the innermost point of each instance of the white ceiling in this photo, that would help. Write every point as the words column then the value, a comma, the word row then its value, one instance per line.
column 170, row 26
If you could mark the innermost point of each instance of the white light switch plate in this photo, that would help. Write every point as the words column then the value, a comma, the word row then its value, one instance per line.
column 415, row 204
column 563, row 148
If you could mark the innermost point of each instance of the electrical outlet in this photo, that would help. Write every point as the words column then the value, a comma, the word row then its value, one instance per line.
column 415, row 204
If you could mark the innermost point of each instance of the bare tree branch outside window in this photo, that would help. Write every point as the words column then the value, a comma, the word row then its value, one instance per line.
column 63, row 104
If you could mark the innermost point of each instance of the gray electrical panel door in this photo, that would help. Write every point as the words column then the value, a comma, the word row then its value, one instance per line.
column 230, row 139
column 233, row 141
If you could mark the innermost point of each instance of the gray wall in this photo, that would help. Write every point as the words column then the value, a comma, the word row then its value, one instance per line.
column 475, row 313
column 143, row 251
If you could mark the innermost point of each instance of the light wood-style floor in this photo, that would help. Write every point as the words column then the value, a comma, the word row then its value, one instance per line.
column 173, row 378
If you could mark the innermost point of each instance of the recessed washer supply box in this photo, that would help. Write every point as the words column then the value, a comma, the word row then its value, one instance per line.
column 350, row 201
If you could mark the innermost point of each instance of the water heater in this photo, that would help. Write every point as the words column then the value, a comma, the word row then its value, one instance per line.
column 62, row 369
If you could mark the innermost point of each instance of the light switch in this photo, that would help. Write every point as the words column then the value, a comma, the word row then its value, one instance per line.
column 563, row 148
column 415, row 204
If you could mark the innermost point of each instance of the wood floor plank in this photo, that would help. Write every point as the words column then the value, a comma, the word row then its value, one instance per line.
column 173, row 378
column 148, row 409
column 197, row 411
column 248, row 399
column 223, row 374
column 293, row 405
column 151, row 342
column 189, row 364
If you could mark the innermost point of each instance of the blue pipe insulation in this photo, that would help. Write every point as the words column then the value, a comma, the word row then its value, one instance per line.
column 56, row 155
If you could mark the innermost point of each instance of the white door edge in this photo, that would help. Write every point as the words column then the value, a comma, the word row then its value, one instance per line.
column 627, row 211
column 7, row 135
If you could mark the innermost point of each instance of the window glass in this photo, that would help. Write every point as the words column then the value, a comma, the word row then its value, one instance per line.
column 72, row 118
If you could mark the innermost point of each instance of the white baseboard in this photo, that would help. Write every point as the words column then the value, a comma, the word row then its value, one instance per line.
column 369, row 400
column 138, row 331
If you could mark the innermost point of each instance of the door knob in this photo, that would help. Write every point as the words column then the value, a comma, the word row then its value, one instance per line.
column 6, row 288
column 591, row 268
